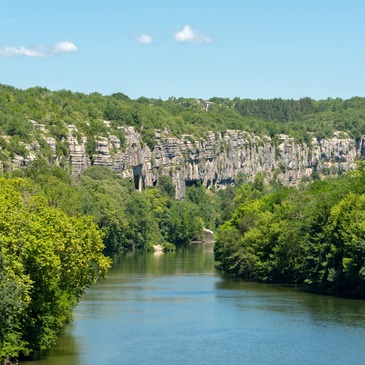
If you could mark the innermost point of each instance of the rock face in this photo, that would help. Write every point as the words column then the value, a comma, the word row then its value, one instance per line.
column 216, row 159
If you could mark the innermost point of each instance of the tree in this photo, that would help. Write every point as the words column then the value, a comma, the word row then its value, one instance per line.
column 342, row 252
column 166, row 186
column 185, row 223
column 47, row 260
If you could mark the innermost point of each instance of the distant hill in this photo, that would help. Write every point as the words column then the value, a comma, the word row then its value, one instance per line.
column 188, row 139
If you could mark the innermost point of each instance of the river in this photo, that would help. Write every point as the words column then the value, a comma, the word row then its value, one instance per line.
column 175, row 309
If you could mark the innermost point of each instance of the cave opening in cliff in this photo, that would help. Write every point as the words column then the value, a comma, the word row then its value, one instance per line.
column 193, row 182
column 136, row 179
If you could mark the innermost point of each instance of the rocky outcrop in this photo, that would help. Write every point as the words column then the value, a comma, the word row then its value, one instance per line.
column 217, row 159
column 77, row 151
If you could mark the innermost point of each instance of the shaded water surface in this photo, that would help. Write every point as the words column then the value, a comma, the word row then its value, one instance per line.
column 174, row 309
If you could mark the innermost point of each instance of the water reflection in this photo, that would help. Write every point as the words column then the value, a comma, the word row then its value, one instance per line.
column 66, row 351
column 172, row 263
column 293, row 301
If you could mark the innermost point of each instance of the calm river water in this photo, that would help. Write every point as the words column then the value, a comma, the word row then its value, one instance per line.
column 175, row 309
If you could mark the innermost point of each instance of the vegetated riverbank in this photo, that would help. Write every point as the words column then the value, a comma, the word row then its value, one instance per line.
column 47, row 259
column 313, row 236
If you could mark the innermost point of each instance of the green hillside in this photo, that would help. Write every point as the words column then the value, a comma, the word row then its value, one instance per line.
column 56, row 109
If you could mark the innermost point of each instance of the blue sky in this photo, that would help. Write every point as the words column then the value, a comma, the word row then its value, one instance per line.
column 233, row 48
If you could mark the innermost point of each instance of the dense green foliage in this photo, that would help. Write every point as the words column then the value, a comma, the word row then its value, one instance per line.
column 47, row 259
column 139, row 220
column 130, row 220
column 313, row 236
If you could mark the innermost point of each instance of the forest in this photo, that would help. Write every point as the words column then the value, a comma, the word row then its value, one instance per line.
column 313, row 236
column 57, row 230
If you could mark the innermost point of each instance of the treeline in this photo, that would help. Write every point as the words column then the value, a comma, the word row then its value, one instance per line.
column 284, row 110
column 313, row 236
column 300, row 119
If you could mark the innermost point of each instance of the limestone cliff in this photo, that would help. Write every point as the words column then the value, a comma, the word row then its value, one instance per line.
column 216, row 159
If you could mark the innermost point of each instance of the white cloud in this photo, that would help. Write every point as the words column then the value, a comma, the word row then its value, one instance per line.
column 65, row 47
column 40, row 51
column 144, row 39
column 187, row 34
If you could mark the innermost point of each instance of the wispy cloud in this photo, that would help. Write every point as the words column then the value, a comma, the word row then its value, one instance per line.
column 40, row 51
column 11, row 21
column 23, row 51
column 144, row 39
column 187, row 34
